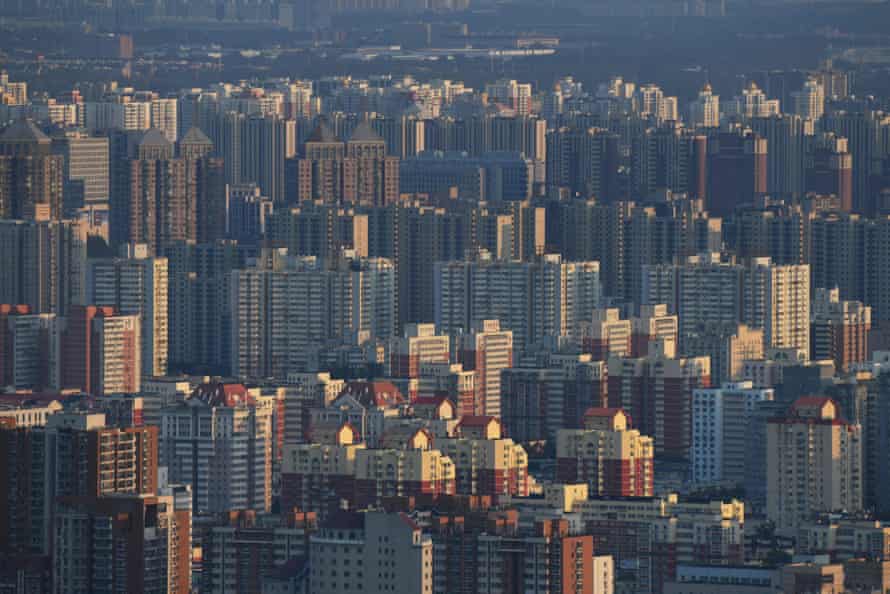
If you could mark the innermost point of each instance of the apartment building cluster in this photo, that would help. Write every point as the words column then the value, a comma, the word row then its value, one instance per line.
column 392, row 335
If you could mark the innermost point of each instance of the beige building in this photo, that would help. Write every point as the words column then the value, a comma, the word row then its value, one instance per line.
column 810, row 578
column 603, row 574
column 492, row 467
column 654, row 324
column 777, row 299
column 610, row 457
column 118, row 364
column 419, row 344
column 606, row 335
column 814, row 463
column 728, row 347
column 487, row 350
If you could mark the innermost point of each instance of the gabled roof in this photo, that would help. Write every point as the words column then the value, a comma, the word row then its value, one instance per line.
column 365, row 133
column 23, row 131
column 602, row 412
column 476, row 421
column 154, row 137
column 373, row 393
column 323, row 133
column 221, row 394
column 195, row 136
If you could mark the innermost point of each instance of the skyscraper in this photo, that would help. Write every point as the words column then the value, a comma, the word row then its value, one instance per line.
column 544, row 298
column 286, row 307
column 164, row 199
column 101, row 351
column 230, row 468
column 737, row 170
column 31, row 176
column 355, row 172
column 87, row 171
column 704, row 112
column 584, row 161
column 814, row 463
column 829, row 169
column 42, row 264
column 809, row 102
column 487, row 350
column 136, row 284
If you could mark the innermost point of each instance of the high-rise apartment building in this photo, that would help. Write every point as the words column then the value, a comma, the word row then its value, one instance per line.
column 31, row 176
column 670, row 158
column 43, row 264
column 259, row 545
column 584, row 161
column 787, row 137
column 285, row 307
column 478, row 550
column 737, row 170
column 654, row 325
column 101, row 351
column 863, row 131
column 728, row 347
column 829, row 169
column 487, row 350
column 777, row 299
column 606, row 335
column 30, row 350
column 809, row 102
column 160, row 198
column 545, row 297
column 74, row 456
column 229, row 467
column 419, row 344
column 752, row 103
column 539, row 399
column 839, row 329
column 87, row 173
column 123, row 543
column 610, row 457
column 355, row 172
column 657, row 392
column 704, row 112
column 720, row 432
column 388, row 551
column 495, row 466
column 814, row 463
column 136, row 285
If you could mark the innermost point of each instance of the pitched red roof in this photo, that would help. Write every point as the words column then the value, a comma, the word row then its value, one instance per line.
column 221, row 394
column 476, row 420
column 811, row 401
column 596, row 411
column 373, row 393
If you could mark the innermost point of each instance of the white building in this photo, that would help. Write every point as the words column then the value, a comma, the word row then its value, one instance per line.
column 809, row 102
column 704, row 112
column 752, row 103
column 547, row 297
column 285, row 307
column 777, row 299
column 719, row 431
column 164, row 117
column 220, row 442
